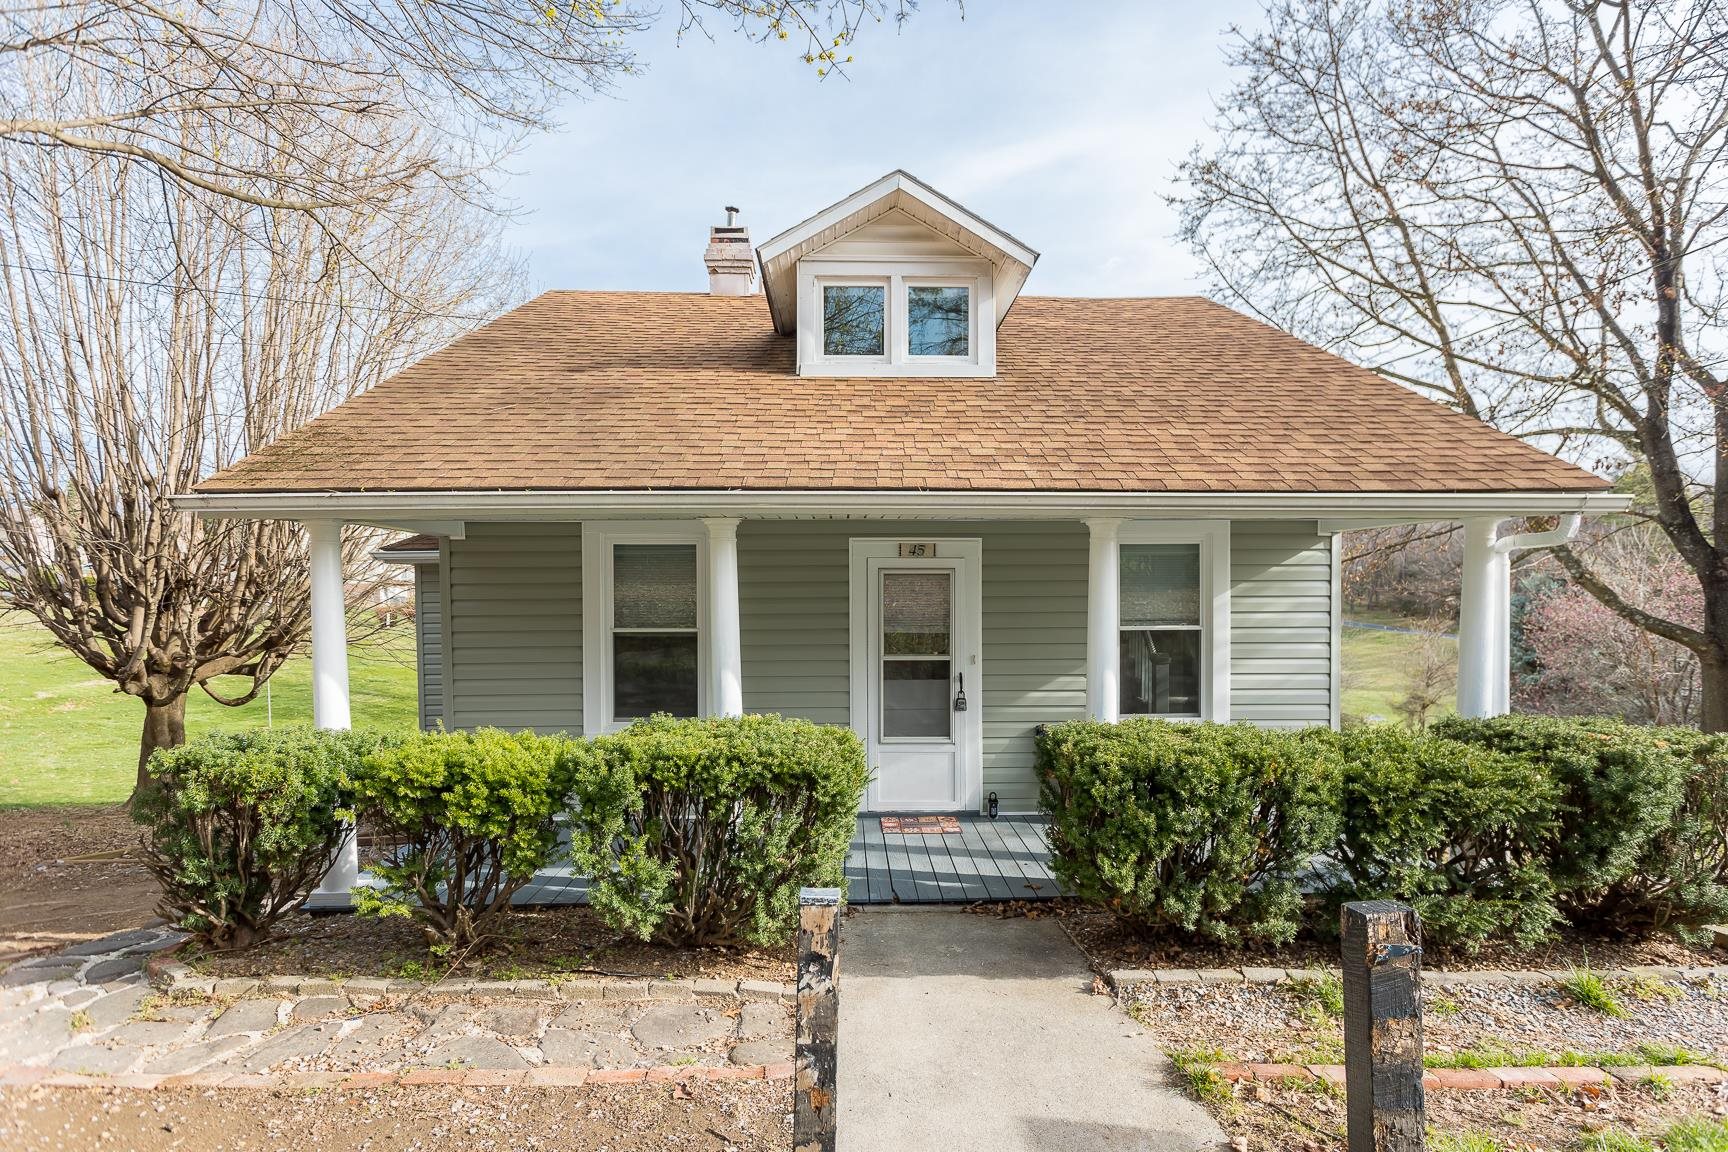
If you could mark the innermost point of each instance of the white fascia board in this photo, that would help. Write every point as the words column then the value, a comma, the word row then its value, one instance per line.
column 1332, row 508
column 909, row 185
column 1009, row 279
column 390, row 557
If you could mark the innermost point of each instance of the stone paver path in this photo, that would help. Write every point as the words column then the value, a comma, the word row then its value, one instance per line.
column 963, row 1031
column 91, row 1010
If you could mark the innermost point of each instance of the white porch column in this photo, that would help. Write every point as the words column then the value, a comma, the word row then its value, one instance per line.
column 330, row 670
column 725, row 652
column 1103, row 660
column 1482, row 620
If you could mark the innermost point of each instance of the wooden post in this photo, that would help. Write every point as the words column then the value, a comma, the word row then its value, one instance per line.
column 1383, row 1026
column 818, row 1019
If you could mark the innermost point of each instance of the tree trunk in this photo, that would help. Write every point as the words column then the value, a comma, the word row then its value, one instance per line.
column 1713, row 715
column 164, row 727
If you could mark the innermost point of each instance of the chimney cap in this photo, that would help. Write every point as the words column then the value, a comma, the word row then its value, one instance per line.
column 732, row 214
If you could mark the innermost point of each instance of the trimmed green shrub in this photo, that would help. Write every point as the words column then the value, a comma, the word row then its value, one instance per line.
column 1639, row 841
column 240, row 827
column 1459, row 832
column 466, row 819
column 726, row 819
column 1200, row 829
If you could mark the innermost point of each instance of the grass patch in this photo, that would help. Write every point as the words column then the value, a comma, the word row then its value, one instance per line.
column 1376, row 665
column 1320, row 999
column 1589, row 990
column 80, row 1021
column 1649, row 989
column 1698, row 1134
column 66, row 737
column 1197, row 1068
column 1463, row 1142
column 1615, row 1140
column 1440, row 1004
column 1487, row 1057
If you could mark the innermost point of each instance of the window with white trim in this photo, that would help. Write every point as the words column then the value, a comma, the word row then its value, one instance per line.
column 656, row 665
column 1162, row 634
column 893, row 318
column 644, row 594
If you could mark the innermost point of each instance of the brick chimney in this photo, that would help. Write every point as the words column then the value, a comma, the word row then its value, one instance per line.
column 731, row 264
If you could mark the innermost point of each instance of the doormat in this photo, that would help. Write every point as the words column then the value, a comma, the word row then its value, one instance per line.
column 921, row 825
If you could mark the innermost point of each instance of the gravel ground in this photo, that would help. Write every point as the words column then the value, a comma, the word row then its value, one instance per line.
column 1282, row 1023
column 695, row 1117
column 1286, row 1023
column 1273, row 1119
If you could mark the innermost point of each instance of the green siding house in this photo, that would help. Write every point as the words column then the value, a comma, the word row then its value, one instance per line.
column 867, row 480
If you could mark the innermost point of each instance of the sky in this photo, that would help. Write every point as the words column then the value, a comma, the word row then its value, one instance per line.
column 1059, row 123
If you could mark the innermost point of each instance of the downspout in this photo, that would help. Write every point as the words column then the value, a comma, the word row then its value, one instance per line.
column 1500, row 684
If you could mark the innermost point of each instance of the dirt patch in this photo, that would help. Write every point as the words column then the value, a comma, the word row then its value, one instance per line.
column 538, row 942
column 696, row 1115
column 1109, row 944
column 68, row 874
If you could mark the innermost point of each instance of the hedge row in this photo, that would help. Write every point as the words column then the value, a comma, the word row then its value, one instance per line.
column 1504, row 828
column 695, row 832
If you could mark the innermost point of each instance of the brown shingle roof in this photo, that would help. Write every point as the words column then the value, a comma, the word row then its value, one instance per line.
column 631, row 390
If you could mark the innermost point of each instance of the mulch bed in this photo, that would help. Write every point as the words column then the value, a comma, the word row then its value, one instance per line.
column 1111, row 945
column 538, row 943
column 68, row 874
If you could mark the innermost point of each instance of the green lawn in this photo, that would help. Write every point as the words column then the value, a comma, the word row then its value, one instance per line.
column 1377, row 666
column 66, row 737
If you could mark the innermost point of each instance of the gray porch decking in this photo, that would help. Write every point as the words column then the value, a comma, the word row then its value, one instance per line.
column 990, row 860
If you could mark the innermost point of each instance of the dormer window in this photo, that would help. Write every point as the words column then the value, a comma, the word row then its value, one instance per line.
column 894, row 280
column 855, row 320
column 938, row 320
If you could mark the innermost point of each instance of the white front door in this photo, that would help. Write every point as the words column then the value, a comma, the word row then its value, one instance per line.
column 921, row 697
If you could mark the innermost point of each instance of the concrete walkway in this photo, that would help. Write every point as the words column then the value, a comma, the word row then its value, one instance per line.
column 965, row 1031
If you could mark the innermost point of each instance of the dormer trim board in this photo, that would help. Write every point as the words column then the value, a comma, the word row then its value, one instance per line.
column 1010, row 260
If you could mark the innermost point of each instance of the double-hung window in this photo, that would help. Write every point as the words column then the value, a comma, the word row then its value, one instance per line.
column 1161, row 632
column 644, row 600
column 1173, row 626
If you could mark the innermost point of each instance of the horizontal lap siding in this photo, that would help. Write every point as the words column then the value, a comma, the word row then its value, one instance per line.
column 515, row 627
column 1280, row 624
column 793, row 606
column 429, row 643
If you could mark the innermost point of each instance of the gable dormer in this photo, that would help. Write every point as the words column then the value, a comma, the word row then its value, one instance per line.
column 894, row 280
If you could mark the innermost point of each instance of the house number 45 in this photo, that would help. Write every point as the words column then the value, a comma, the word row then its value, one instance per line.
column 917, row 551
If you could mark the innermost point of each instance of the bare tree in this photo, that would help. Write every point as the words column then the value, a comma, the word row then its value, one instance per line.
column 129, row 75
column 154, row 333
column 1431, row 674
column 1518, row 207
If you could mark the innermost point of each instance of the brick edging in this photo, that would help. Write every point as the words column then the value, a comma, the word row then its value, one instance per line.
column 168, row 974
column 23, row 1075
column 1485, row 1079
column 1123, row 978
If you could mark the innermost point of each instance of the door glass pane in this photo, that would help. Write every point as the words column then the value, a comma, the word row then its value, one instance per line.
column 1160, row 672
column 937, row 321
column 916, row 610
column 915, row 698
column 654, row 586
column 854, row 320
column 653, row 674
column 1160, row 585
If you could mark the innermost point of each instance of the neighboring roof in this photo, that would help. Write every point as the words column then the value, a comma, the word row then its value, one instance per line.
column 898, row 191
column 641, row 390
column 420, row 549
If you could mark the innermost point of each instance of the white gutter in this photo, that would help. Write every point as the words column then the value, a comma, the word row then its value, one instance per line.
column 403, row 557
column 1563, row 533
column 566, row 505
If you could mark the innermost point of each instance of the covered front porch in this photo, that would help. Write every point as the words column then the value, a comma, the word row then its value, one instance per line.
column 980, row 861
